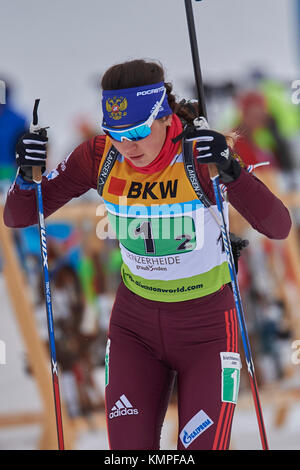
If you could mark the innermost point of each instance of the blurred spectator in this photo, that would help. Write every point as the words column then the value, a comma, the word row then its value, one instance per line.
column 259, row 137
column 74, row 344
column 12, row 125
column 77, row 336
column 85, row 129
column 281, row 107
column 266, row 125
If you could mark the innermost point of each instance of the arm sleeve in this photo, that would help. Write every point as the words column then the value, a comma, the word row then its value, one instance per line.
column 70, row 179
column 259, row 206
column 254, row 201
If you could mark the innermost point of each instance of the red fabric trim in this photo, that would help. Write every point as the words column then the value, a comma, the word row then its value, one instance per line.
column 219, row 426
column 226, row 414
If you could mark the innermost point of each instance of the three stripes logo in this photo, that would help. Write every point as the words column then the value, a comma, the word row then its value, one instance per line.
column 123, row 407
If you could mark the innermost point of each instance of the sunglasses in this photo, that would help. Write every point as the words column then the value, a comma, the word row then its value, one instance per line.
column 137, row 132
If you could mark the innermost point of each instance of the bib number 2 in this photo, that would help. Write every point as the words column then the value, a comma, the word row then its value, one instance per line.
column 161, row 237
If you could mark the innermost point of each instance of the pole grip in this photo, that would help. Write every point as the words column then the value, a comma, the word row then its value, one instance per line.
column 201, row 123
column 213, row 170
column 34, row 128
column 195, row 58
column 37, row 174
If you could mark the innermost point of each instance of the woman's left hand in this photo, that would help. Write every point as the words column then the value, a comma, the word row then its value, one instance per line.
column 211, row 147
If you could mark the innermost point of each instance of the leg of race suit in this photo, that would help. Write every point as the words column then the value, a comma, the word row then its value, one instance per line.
column 208, row 387
column 139, row 383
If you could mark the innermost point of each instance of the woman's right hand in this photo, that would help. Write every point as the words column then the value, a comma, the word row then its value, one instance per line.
column 31, row 150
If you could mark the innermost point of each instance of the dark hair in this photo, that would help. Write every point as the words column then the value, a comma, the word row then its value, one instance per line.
column 140, row 72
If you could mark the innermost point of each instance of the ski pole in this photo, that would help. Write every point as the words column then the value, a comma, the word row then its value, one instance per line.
column 37, row 178
column 214, row 175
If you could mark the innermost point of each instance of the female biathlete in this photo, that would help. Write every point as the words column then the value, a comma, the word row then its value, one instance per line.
column 174, row 312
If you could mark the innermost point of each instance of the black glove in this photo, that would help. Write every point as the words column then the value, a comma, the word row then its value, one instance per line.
column 31, row 151
column 212, row 148
column 237, row 245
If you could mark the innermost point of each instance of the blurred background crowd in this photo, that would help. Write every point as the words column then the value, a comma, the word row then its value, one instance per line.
column 257, row 108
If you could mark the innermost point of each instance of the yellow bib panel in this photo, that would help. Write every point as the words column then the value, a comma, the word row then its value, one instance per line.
column 171, row 246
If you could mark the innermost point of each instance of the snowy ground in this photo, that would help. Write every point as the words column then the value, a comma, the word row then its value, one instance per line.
column 244, row 436
column 19, row 394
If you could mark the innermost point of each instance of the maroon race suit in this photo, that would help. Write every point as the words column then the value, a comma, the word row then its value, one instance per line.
column 150, row 342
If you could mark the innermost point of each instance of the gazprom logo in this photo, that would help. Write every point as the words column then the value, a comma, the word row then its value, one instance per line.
column 195, row 427
column 2, row 92
column 188, row 438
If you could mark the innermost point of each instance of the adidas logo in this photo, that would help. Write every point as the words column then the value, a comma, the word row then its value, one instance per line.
column 225, row 153
column 122, row 407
